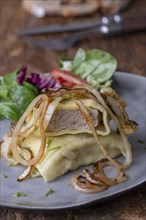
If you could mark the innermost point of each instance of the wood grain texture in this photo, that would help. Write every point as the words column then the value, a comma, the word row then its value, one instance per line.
column 130, row 51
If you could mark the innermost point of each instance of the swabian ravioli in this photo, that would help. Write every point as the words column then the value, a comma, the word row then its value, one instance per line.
column 64, row 129
column 54, row 163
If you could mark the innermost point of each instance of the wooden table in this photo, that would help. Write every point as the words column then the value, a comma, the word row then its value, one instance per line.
column 130, row 51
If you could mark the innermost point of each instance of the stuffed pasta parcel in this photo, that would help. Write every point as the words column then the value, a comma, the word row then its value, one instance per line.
column 63, row 129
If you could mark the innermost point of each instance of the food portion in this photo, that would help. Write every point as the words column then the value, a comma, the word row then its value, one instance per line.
column 63, row 129
column 19, row 88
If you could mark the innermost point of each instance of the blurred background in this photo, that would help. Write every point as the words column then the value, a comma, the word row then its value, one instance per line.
column 19, row 17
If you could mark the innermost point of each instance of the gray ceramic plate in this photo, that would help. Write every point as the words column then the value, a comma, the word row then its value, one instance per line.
column 132, row 89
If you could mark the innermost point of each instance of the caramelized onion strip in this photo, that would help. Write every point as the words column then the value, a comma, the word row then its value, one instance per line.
column 97, row 181
column 81, row 184
column 35, row 117
column 50, row 111
column 90, row 123
column 99, row 173
column 17, row 129
column 25, row 174
column 27, row 155
column 128, row 153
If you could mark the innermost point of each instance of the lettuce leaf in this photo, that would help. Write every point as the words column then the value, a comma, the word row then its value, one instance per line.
column 96, row 66
column 14, row 98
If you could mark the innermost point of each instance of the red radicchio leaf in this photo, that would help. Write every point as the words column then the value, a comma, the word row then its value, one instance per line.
column 21, row 75
column 41, row 81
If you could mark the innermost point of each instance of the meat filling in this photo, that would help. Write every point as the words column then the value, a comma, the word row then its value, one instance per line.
column 71, row 119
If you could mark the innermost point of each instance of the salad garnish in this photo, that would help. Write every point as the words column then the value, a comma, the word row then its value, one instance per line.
column 95, row 67
column 55, row 148
column 19, row 194
column 49, row 192
column 18, row 91
column 14, row 99
column 5, row 176
column 40, row 81
column 140, row 141
column 48, row 142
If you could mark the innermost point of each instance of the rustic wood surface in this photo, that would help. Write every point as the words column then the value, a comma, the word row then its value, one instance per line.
column 130, row 51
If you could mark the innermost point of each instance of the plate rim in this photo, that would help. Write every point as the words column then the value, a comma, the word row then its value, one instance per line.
column 86, row 204
column 73, row 207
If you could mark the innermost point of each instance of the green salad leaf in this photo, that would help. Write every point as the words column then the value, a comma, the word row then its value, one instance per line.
column 14, row 98
column 96, row 66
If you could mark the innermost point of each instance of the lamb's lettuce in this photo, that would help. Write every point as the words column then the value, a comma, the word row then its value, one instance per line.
column 15, row 98
column 96, row 66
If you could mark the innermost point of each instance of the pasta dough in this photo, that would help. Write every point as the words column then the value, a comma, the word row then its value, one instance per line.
column 54, row 163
